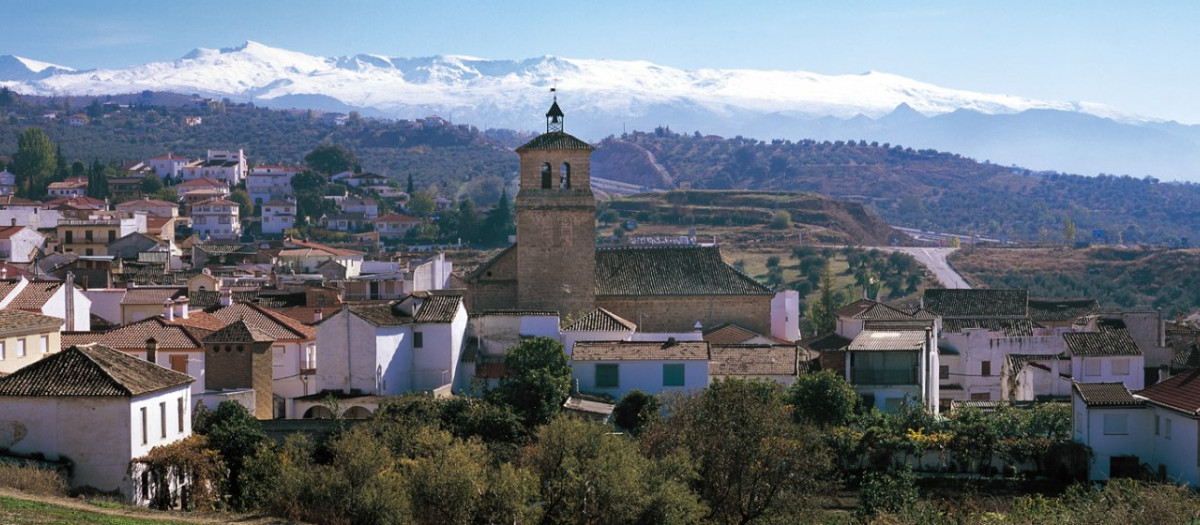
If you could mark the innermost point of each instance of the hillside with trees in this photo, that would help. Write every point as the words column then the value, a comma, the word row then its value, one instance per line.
column 915, row 188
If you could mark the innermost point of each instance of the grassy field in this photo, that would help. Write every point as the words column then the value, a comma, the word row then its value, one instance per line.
column 13, row 510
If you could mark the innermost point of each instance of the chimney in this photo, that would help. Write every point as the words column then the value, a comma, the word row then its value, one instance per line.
column 152, row 350
column 69, row 291
column 169, row 310
column 181, row 307
column 318, row 315
column 226, row 298
column 3, row 272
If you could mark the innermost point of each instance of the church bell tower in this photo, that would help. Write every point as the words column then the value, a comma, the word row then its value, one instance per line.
column 556, row 222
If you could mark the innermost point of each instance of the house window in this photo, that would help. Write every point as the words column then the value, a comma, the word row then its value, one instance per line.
column 162, row 418
column 944, row 372
column 1156, row 424
column 981, row 396
column 1, row 350
column 87, row 235
column 1167, row 427
column 180, row 410
column 145, row 431
column 1120, row 367
column 1116, row 424
column 418, row 340
column 1091, row 367
column 45, row 343
column 985, row 368
column 20, row 348
column 223, row 220
column 547, row 176
column 70, row 237
column 277, row 355
column 112, row 235
column 607, row 376
column 673, row 375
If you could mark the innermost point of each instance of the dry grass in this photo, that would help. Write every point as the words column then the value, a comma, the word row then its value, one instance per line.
column 32, row 480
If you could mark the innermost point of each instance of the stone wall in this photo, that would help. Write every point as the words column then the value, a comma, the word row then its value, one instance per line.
column 679, row 313
column 231, row 366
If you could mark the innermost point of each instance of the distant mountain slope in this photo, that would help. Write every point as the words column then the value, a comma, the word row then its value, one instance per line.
column 603, row 97
column 918, row 188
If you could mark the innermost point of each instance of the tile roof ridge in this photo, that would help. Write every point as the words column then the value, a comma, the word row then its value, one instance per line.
column 103, row 369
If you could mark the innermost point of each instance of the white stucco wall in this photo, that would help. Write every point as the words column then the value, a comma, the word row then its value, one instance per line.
column 106, row 303
column 646, row 376
column 1088, row 429
column 785, row 315
column 56, row 306
column 1178, row 450
column 1134, row 380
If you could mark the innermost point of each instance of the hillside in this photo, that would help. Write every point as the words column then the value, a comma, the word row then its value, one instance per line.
column 815, row 218
column 917, row 188
column 437, row 154
column 1118, row 279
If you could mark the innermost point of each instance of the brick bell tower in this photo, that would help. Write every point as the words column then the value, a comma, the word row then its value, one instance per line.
column 556, row 222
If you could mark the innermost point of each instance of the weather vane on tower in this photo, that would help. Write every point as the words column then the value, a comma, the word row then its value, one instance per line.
column 554, row 117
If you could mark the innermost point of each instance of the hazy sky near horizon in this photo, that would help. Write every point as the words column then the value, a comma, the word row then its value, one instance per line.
column 1139, row 57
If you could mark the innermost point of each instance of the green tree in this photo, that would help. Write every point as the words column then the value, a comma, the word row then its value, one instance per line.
column 34, row 163
column 470, row 222
column 538, row 380
column 235, row 433
column 151, row 184
column 820, row 314
column 887, row 492
column 329, row 159
column 823, row 398
column 635, row 410
column 420, row 205
column 1068, row 230
column 245, row 205
column 782, row 220
column 754, row 463
column 411, row 189
column 500, row 222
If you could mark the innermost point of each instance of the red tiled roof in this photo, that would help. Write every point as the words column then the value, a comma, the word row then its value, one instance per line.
column 1181, row 392
column 145, row 202
column 80, row 202
column 154, row 296
column 275, row 324
column 8, row 231
column 754, row 360
column 201, row 320
column 132, row 337
column 731, row 334
column 318, row 246
column 35, row 295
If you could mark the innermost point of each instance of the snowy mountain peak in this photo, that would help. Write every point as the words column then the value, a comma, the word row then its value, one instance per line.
column 17, row 68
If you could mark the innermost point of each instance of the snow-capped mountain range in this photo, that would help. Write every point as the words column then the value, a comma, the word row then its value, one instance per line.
column 603, row 97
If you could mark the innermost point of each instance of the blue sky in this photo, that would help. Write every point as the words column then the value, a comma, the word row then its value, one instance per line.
column 1137, row 56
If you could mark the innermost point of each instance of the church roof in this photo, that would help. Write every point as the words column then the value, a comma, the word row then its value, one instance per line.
column 556, row 140
column 555, row 111
column 670, row 270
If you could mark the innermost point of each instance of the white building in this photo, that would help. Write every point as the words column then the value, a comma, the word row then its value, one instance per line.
column 395, row 225
column 265, row 183
column 26, row 337
column 59, row 299
column 654, row 367
column 20, row 244
column 8, row 182
column 892, row 367
column 367, row 206
column 167, row 165
column 278, row 216
column 227, row 166
column 75, row 187
column 1110, row 355
column 216, row 219
column 99, row 408
column 152, row 207
column 1110, row 421
column 410, row 345
column 1157, row 427
column 201, row 185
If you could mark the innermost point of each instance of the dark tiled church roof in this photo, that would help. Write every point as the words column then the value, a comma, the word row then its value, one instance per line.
column 977, row 302
column 90, row 370
column 1061, row 309
column 670, row 270
column 1010, row 327
column 556, row 140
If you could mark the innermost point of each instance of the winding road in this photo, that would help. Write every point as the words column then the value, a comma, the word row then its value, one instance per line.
column 935, row 260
